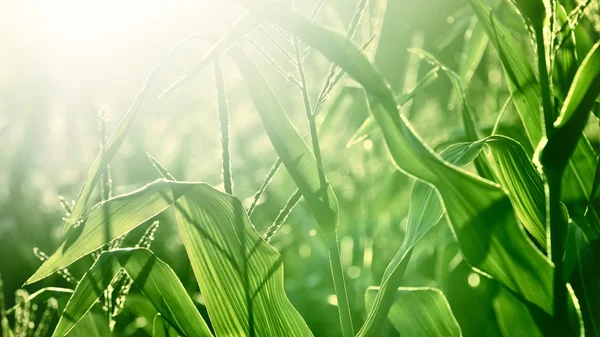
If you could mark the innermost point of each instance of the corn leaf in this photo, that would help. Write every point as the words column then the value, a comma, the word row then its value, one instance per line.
column 119, row 215
column 479, row 212
column 154, row 277
column 420, row 312
column 240, row 276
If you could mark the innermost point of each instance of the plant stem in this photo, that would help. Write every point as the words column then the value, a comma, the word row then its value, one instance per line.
column 334, row 253
column 556, row 225
column 339, row 283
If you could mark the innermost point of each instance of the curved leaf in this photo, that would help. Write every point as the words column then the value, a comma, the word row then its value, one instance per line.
column 420, row 312
column 240, row 275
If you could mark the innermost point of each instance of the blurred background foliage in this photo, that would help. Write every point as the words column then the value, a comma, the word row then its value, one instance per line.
column 64, row 64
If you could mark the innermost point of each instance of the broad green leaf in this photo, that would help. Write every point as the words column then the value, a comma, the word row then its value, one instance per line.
column 479, row 211
column 119, row 215
column 526, row 96
column 240, row 275
column 240, row 28
column 519, row 178
column 154, row 277
column 420, row 312
column 162, row 328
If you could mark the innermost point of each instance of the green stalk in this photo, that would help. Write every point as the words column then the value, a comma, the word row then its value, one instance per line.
column 556, row 225
column 339, row 283
column 334, row 255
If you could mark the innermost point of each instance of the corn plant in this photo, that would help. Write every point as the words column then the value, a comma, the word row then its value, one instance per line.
column 522, row 213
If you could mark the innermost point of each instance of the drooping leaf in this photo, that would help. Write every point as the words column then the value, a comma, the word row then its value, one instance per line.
column 154, row 277
column 420, row 312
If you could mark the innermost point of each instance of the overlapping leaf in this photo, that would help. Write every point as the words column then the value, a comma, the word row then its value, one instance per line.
column 240, row 276
column 154, row 277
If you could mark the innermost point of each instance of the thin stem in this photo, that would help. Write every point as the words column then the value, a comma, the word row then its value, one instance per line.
column 264, row 185
column 282, row 216
column 339, row 283
column 334, row 254
column 224, row 123
column 311, row 118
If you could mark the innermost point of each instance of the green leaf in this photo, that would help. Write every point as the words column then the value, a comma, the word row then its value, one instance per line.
column 162, row 328
column 291, row 148
column 108, row 221
column 424, row 212
column 420, row 312
column 154, row 277
column 240, row 275
column 555, row 152
column 479, row 212
column 240, row 28
column 585, row 84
